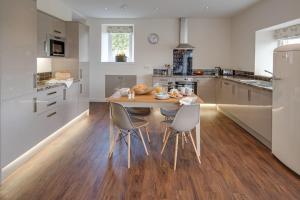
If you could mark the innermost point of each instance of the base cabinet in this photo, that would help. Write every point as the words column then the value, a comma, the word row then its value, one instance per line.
column 83, row 98
column 69, row 106
column 250, row 106
column 18, row 127
column 207, row 90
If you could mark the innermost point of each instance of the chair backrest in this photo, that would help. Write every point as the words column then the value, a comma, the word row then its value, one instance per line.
column 186, row 118
column 120, row 117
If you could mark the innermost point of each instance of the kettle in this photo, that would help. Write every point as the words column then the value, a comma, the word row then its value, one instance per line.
column 218, row 71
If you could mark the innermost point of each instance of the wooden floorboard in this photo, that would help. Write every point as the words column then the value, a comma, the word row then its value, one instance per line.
column 75, row 166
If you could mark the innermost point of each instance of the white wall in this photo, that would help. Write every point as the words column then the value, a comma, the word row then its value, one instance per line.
column 211, row 37
column 265, row 43
column 265, row 14
column 55, row 8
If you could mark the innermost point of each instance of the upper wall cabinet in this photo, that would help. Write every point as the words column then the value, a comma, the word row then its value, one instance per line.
column 18, row 47
column 48, row 25
column 83, row 43
column 78, row 41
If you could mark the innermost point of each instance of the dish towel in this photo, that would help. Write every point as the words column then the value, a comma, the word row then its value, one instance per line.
column 67, row 82
column 188, row 100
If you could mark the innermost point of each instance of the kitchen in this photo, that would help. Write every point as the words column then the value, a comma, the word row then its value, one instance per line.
column 58, row 130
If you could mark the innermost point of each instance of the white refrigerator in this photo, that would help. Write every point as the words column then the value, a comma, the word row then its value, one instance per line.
column 286, row 106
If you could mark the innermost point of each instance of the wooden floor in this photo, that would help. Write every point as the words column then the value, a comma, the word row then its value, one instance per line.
column 75, row 166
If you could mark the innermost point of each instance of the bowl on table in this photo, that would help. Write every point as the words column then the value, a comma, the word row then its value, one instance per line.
column 142, row 89
column 162, row 96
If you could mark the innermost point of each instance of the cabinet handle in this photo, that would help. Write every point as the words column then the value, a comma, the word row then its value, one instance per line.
column 249, row 95
column 80, row 88
column 51, row 93
column 225, row 83
column 51, row 104
column 233, row 89
column 45, row 47
column 80, row 73
column 34, row 105
column 50, row 115
column 34, row 81
column 64, row 94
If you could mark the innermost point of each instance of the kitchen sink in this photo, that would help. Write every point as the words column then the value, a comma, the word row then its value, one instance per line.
column 259, row 83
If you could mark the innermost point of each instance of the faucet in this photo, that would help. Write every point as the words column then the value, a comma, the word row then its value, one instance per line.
column 273, row 77
column 269, row 72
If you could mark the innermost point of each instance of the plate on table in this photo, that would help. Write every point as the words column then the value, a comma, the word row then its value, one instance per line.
column 162, row 96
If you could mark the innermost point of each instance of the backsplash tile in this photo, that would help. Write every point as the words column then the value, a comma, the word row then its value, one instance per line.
column 43, row 77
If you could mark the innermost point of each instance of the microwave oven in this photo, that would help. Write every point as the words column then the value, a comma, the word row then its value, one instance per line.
column 55, row 46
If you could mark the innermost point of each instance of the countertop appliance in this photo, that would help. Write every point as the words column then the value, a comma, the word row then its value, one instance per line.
column 286, row 106
column 55, row 46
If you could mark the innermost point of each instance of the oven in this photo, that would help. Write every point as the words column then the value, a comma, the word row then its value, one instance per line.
column 55, row 46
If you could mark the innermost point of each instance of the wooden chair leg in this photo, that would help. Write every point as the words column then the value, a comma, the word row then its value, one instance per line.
column 185, row 139
column 147, row 132
column 182, row 140
column 165, row 142
column 128, row 150
column 141, row 135
column 195, row 149
column 176, row 150
column 165, row 133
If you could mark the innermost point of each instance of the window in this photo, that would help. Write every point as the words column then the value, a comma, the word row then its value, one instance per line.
column 283, row 42
column 117, row 43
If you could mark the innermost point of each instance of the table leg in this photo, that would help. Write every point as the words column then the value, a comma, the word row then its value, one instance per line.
column 198, row 136
column 111, row 135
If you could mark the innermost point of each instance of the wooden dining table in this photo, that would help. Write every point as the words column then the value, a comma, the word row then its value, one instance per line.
column 148, row 101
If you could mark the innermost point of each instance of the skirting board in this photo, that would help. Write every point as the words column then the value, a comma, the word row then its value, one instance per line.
column 11, row 167
column 247, row 128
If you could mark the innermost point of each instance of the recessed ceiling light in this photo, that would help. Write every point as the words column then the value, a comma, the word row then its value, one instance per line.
column 156, row 9
column 106, row 9
column 206, row 7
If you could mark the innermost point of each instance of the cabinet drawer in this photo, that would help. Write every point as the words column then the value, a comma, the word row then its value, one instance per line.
column 50, row 94
column 43, row 105
column 49, row 121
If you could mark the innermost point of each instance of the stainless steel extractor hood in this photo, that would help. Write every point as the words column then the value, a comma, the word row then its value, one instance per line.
column 184, row 35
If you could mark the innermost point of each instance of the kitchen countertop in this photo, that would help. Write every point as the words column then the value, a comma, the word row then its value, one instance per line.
column 43, row 87
column 237, row 79
column 187, row 76
column 242, row 79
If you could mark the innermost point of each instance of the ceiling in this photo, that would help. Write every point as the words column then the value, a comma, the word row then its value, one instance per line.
column 158, row 8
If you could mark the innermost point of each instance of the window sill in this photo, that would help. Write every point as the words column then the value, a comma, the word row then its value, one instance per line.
column 117, row 62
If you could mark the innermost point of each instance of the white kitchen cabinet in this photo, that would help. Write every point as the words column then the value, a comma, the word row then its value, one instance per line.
column 18, row 40
column 70, row 103
column 227, row 94
column 83, row 98
column 249, row 106
column 48, row 25
column 207, row 90
column 83, row 43
column 18, row 127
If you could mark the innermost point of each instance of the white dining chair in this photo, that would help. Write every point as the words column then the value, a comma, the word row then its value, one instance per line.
column 127, row 124
column 185, row 121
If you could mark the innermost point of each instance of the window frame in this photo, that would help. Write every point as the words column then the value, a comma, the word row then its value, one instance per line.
column 110, row 58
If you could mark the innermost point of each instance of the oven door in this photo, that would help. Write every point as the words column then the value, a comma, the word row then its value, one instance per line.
column 56, row 47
